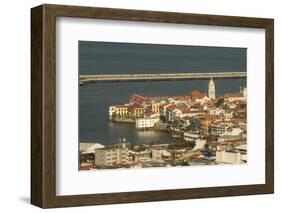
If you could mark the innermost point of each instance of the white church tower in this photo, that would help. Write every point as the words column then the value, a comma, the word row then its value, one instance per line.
column 212, row 89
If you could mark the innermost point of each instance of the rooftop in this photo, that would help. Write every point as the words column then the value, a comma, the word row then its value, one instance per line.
column 135, row 106
column 197, row 94
column 234, row 95
column 138, row 98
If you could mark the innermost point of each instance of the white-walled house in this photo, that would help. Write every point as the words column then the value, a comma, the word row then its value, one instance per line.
column 178, row 113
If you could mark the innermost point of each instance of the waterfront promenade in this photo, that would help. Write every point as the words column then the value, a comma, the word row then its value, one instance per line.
column 162, row 76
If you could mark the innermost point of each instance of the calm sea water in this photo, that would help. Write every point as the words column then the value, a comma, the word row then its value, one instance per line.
column 95, row 98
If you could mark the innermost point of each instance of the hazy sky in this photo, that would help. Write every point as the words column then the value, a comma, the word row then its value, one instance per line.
column 118, row 58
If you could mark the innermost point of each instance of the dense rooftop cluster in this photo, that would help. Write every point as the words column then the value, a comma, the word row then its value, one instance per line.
column 211, row 130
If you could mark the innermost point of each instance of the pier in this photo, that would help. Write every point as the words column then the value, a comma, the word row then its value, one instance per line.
column 160, row 77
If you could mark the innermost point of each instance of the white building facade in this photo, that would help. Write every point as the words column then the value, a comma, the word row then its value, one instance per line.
column 142, row 123
column 212, row 90
column 231, row 157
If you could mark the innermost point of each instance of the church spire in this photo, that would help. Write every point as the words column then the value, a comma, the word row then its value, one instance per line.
column 212, row 89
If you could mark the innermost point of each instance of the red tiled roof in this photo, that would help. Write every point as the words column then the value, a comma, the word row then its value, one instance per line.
column 139, row 99
column 183, row 108
column 165, row 104
column 206, row 117
column 197, row 94
column 119, row 106
column 134, row 106
column 180, row 97
column 150, row 113
column 172, row 107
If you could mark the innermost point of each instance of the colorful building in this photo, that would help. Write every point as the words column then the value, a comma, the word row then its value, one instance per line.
column 136, row 110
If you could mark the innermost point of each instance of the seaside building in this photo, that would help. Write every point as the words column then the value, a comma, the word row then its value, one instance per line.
column 143, row 123
column 109, row 156
column 142, row 156
column 212, row 89
column 136, row 110
column 138, row 99
column 118, row 110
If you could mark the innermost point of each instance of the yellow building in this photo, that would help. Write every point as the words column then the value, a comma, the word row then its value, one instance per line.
column 155, row 107
column 136, row 110
column 121, row 110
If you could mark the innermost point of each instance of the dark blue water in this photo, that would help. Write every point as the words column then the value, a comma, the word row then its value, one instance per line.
column 95, row 98
column 117, row 57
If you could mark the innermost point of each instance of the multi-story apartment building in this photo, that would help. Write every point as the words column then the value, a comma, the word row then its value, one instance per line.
column 109, row 156
column 136, row 110
column 143, row 123
column 218, row 128
column 155, row 107
column 118, row 110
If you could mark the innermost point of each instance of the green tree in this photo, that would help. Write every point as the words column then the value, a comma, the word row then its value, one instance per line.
column 177, row 124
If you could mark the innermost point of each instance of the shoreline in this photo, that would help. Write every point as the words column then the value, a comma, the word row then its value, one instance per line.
column 127, row 120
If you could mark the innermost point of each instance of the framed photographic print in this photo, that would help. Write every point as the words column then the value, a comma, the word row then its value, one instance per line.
column 137, row 106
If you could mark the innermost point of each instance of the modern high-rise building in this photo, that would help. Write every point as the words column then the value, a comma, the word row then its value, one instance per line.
column 212, row 89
